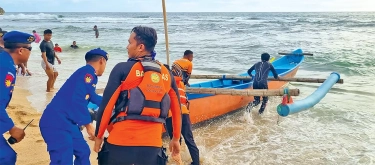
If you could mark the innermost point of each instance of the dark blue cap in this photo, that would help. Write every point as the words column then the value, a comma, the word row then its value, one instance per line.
column 18, row 37
column 98, row 52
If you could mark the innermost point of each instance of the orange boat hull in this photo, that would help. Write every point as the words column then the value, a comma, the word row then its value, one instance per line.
column 203, row 109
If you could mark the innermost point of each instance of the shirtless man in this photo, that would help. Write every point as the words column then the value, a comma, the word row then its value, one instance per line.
column 49, row 55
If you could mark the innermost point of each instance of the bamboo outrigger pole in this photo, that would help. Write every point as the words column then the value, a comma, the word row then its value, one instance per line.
column 166, row 31
column 238, row 77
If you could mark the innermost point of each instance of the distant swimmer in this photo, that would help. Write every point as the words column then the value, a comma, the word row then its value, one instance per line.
column 96, row 31
column 183, row 67
column 260, row 80
column 57, row 48
column 74, row 46
column 37, row 37
column 17, row 50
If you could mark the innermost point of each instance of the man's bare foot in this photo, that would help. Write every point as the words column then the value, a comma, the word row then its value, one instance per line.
column 48, row 90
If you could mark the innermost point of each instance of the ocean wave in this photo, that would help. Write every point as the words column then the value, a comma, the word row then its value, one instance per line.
column 40, row 16
column 72, row 19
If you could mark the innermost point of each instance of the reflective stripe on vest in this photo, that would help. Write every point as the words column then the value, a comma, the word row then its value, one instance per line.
column 149, row 100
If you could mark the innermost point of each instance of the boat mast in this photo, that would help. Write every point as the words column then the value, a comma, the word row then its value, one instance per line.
column 166, row 31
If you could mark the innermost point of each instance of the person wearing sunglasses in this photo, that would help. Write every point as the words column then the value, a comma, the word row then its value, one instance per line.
column 17, row 47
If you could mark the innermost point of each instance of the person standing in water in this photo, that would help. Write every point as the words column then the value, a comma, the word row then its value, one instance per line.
column 37, row 37
column 48, row 62
column 57, row 48
column 96, row 31
column 74, row 46
column 260, row 80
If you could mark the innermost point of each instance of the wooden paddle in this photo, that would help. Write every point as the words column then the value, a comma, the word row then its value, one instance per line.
column 237, row 77
column 236, row 92
column 293, row 54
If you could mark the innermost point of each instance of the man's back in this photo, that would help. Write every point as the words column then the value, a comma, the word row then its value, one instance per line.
column 132, row 132
column 262, row 70
column 64, row 101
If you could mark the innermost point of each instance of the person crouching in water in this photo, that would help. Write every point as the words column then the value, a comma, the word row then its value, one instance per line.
column 63, row 116
column 260, row 80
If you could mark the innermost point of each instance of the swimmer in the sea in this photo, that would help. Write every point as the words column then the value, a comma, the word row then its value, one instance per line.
column 57, row 48
column 96, row 31
column 74, row 46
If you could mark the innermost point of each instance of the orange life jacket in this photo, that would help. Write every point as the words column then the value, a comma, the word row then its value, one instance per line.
column 144, row 93
column 183, row 97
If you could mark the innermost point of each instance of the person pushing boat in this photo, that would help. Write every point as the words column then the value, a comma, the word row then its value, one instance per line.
column 260, row 81
column 67, row 112
column 183, row 67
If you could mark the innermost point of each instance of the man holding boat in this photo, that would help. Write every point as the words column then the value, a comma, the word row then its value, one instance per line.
column 260, row 80
column 67, row 112
column 17, row 49
column 183, row 67
column 181, row 70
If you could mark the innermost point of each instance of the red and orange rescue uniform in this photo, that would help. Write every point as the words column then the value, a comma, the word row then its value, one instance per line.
column 183, row 98
column 151, row 92
column 182, row 65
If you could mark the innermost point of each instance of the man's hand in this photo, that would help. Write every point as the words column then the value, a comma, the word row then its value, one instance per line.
column 98, row 144
column 174, row 147
column 17, row 133
column 59, row 61
column 90, row 131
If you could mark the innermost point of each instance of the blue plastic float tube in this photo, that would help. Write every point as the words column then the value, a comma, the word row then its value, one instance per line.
column 310, row 101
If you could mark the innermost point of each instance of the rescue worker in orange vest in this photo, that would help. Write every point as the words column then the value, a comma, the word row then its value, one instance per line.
column 186, row 124
column 136, row 101
column 183, row 67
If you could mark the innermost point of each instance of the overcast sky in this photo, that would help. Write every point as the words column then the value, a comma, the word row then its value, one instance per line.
column 186, row 5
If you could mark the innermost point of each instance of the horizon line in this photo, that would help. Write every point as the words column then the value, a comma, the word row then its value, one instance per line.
column 188, row 12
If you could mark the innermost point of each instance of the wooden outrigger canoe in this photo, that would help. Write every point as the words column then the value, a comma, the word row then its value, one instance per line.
column 204, row 107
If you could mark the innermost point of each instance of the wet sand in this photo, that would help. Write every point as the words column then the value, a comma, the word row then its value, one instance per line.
column 32, row 150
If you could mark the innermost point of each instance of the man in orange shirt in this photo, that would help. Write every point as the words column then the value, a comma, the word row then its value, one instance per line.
column 183, row 67
column 141, row 91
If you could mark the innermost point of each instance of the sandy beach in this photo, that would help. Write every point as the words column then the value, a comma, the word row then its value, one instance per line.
column 31, row 150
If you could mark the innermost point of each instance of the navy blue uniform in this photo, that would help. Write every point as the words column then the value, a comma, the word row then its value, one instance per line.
column 67, row 111
column 8, row 77
column 260, row 81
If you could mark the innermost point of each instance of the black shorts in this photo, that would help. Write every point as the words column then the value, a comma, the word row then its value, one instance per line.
column 128, row 155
